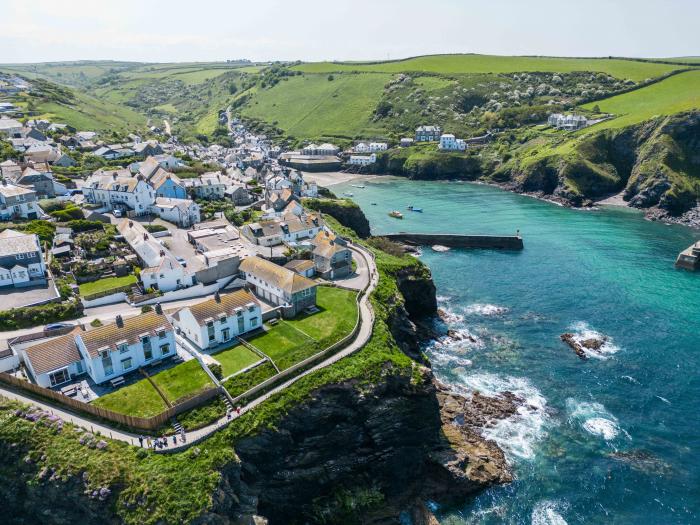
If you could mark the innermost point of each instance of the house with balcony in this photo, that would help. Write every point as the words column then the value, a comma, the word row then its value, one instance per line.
column 21, row 259
column 118, row 189
column 17, row 202
column 104, row 353
column 278, row 285
column 220, row 319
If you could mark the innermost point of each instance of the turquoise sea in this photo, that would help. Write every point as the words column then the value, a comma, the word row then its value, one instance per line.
column 614, row 439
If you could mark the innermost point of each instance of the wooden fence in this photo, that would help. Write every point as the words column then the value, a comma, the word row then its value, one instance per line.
column 141, row 423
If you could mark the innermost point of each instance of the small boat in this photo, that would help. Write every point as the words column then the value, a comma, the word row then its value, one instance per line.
column 361, row 186
column 373, row 203
column 348, row 194
column 413, row 208
column 396, row 214
column 439, row 248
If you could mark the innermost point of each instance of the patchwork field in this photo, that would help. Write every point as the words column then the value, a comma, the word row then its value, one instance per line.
column 675, row 94
column 455, row 64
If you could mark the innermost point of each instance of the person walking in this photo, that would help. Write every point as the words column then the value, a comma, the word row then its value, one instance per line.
column 148, row 442
column 174, row 439
column 141, row 441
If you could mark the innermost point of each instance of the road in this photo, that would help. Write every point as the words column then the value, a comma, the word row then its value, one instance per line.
column 194, row 436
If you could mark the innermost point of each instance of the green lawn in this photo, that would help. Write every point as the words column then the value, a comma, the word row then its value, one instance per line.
column 284, row 345
column 106, row 284
column 453, row 64
column 235, row 358
column 137, row 399
column 678, row 93
column 311, row 106
column 335, row 320
column 182, row 381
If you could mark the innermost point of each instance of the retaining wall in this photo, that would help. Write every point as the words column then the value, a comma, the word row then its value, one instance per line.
column 502, row 242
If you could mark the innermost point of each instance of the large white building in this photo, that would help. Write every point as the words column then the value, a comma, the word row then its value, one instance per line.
column 104, row 353
column 220, row 319
column 567, row 122
column 118, row 189
column 21, row 259
column 362, row 160
column 448, row 142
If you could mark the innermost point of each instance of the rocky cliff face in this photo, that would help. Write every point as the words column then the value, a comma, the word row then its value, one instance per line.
column 357, row 454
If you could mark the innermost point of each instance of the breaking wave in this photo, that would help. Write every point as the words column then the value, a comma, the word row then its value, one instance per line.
column 518, row 435
column 593, row 418
column 485, row 309
column 548, row 513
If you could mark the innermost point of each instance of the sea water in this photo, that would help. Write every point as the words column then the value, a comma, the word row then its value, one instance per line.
column 613, row 439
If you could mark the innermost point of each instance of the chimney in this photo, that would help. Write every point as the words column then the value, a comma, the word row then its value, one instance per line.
column 162, row 253
column 120, row 321
column 145, row 236
column 217, row 297
column 159, row 309
column 131, row 224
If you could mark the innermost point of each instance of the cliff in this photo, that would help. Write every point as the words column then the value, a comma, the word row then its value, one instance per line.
column 345, row 211
column 655, row 163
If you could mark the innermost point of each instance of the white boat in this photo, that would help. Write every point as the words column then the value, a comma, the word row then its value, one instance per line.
column 349, row 194
column 396, row 214
column 439, row 248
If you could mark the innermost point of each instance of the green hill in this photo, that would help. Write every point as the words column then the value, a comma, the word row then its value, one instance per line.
column 636, row 70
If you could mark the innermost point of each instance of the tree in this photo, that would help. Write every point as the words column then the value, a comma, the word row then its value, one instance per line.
column 331, row 78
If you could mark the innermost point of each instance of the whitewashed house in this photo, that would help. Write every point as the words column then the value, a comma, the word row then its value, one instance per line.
column 220, row 319
column 362, row 160
column 182, row 212
column 378, row 146
column 118, row 189
column 17, row 202
column 104, row 353
column 448, row 142
column 161, row 269
column 21, row 259
column 567, row 122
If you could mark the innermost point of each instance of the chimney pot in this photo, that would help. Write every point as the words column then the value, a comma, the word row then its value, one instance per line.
column 159, row 309
column 120, row 321
column 217, row 297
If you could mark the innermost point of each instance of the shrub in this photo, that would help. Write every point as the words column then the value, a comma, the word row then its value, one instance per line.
column 30, row 316
column 216, row 370
column 96, row 323
column 146, row 308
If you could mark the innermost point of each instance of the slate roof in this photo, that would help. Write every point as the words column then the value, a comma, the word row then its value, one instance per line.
column 148, row 324
column 275, row 275
column 54, row 353
column 229, row 303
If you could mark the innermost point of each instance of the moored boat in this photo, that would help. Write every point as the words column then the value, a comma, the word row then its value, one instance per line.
column 396, row 214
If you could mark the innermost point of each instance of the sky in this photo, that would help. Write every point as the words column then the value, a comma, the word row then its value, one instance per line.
column 314, row 30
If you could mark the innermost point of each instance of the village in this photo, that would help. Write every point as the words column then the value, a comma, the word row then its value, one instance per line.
column 188, row 275
column 172, row 275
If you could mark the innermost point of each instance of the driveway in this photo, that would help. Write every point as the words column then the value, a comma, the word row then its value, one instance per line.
column 12, row 297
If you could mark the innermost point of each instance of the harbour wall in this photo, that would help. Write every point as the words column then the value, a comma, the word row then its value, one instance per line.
column 501, row 242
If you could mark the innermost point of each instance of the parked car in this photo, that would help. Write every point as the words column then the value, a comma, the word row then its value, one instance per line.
column 117, row 213
column 182, row 261
column 57, row 326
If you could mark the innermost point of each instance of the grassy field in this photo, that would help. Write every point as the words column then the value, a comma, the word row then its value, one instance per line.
column 284, row 345
column 311, row 106
column 235, row 358
column 453, row 64
column 678, row 93
column 182, row 381
column 103, row 285
column 88, row 113
column 137, row 399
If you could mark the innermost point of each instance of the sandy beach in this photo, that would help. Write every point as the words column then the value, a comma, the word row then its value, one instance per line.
column 614, row 200
column 331, row 178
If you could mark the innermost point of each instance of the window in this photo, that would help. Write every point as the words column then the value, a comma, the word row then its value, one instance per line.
column 165, row 349
column 126, row 363
column 20, row 256
column 123, row 348
column 223, row 320
column 58, row 377
column 161, row 334
column 107, row 364
column 254, row 321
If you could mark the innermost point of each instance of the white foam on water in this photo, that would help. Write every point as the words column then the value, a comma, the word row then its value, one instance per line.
column 447, row 360
column 485, row 309
column 451, row 317
column 583, row 331
column 593, row 418
column 548, row 513
column 519, row 434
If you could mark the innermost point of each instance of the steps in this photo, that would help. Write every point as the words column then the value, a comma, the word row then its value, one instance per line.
column 176, row 425
column 227, row 403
